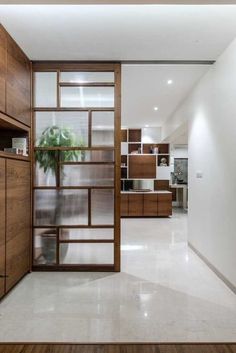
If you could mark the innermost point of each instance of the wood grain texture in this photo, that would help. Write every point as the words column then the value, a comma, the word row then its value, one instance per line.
column 142, row 167
column 135, row 205
column 150, row 205
column 18, row 89
column 124, row 207
column 18, row 220
column 164, row 205
column 3, row 68
column 118, row 348
column 2, row 227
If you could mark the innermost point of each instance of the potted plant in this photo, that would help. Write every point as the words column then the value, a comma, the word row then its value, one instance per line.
column 55, row 136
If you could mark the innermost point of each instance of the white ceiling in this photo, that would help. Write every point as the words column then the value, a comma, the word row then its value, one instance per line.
column 145, row 86
column 121, row 32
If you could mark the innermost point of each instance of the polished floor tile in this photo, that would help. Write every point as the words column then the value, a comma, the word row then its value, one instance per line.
column 164, row 293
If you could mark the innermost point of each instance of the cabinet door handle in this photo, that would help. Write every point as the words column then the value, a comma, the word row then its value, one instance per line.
column 4, row 276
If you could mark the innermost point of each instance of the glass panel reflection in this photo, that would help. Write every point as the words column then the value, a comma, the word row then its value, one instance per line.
column 83, row 254
column 86, row 77
column 45, row 168
column 45, row 89
column 67, row 129
column 103, row 129
column 82, row 97
column 45, row 245
column 61, row 207
column 102, row 207
column 87, row 175
column 87, row 156
column 86, row 234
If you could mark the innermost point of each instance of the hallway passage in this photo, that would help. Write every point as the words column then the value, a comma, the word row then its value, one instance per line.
column 164, row 293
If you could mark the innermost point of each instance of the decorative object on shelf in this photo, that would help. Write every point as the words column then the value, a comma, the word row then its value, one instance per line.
column 163, row 162
column 14, row 150
column 155, row 150
column 20, row 143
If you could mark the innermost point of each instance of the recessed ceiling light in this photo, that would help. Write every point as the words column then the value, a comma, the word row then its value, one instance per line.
column 155, row 108
column 169, row 82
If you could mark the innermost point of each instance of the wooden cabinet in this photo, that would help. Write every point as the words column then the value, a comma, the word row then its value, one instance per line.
column 15, row 222
column 18, row 83
column 164, row 204
column 124, row 207
column 2, row 227
column 135, row 205
column 150, row 205
column 3, row 68
column 15, row 77
column 146, row 205
column 142, row 167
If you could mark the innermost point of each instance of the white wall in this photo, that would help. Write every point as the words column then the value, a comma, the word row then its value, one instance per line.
column 211, row 113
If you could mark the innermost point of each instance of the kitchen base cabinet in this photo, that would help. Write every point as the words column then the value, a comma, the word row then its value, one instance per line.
column 150, row 205
column 135, row 205
column 15, row 222
column 164, row 204
column 153, row 204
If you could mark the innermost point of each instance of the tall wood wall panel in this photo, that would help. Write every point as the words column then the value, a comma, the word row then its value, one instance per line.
column 2, row 227
column 18, row 220
column 3, row 68
column 18, row 83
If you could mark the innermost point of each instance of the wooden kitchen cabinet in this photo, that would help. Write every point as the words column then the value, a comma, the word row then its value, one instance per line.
column 124, row 208
column 146, row 204
column 135, row 205
column 150, row 205
column 164, row 204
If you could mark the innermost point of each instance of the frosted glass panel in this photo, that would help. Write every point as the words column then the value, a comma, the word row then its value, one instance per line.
column 64, row 207
column 45, row 168
column 86, row 253
column 103, row 129
column 45, row 246
column 86, row 77
column 87, row 175
column 86, row 234
column 88, row 156
column 45, row 89
column 61, row 129
column 102, row 207
column 81, row 97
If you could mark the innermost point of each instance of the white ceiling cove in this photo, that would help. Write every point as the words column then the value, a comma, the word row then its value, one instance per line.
column 121, row 32
column 145, row 87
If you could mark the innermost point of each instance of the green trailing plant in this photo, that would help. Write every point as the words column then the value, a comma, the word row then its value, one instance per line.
column 54, row 136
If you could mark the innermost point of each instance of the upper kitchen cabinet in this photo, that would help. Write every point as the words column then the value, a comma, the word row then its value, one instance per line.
column 18, row 103
column 3, row 68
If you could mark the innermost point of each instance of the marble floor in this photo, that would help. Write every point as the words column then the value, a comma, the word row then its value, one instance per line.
column 164, row 293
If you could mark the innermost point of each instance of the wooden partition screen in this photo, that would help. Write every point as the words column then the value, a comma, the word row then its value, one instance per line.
column 76, row 173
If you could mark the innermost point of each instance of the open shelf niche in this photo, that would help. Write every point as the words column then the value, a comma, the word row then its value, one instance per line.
column 9, row 129
column 142, row 161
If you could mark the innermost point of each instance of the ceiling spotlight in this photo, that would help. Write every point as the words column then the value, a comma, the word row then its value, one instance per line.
column 155, row 108
column 169, row 82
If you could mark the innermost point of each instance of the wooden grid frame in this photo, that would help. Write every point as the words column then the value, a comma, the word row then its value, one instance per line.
column 80, row 67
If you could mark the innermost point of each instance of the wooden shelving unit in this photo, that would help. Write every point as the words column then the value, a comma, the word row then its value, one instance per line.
column 143, row 164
